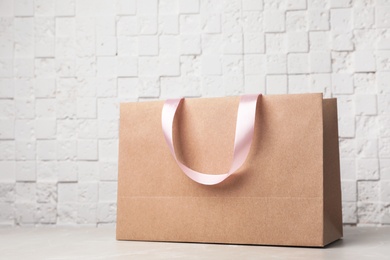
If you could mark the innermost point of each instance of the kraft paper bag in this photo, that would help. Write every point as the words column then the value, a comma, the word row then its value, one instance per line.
column 286, row 192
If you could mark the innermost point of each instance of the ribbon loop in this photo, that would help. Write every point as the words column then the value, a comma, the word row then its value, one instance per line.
column 242, row 142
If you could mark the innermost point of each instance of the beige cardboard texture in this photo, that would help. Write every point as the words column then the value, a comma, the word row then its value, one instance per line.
column 286, row 193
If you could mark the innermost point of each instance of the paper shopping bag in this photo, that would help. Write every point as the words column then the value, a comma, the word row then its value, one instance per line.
column 240, row 170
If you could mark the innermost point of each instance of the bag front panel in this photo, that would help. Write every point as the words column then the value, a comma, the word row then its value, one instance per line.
column 279, row 186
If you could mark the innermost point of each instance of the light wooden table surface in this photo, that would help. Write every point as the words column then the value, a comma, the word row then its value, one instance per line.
column 100, row 243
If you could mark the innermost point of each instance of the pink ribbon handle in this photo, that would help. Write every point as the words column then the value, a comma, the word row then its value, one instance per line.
column 242, row 141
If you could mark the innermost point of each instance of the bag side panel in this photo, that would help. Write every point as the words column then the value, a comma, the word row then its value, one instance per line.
column 333, row 227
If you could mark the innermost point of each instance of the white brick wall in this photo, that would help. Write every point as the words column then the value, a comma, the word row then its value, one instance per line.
column 66, row 64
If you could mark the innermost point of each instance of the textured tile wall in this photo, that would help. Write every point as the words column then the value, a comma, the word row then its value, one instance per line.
column 66, row 64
